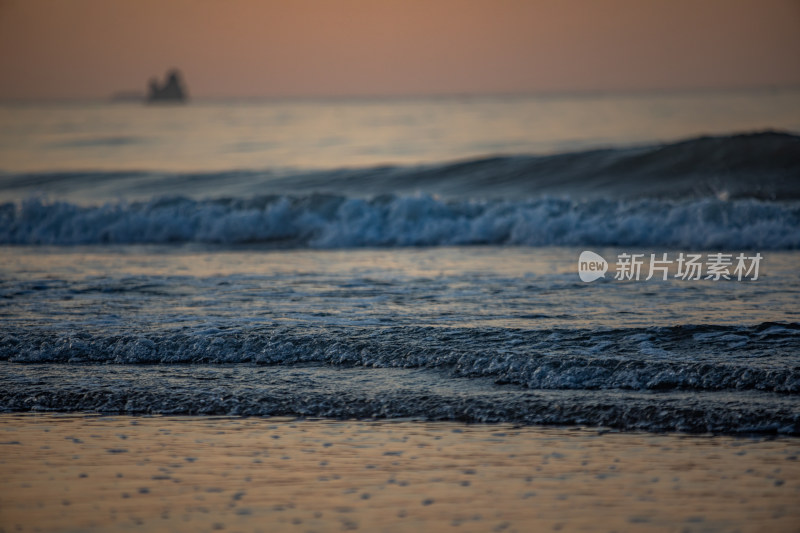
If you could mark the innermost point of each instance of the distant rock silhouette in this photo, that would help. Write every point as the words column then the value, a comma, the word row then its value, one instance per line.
column 172, row 91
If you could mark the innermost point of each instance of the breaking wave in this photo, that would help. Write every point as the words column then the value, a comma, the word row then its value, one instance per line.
column 737, row 191
column 331, row 221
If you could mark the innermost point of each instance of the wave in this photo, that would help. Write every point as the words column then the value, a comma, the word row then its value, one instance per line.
column 697, row 378
column 699, row 358
column 761, row 165
column 333, row 221
column 314, row 391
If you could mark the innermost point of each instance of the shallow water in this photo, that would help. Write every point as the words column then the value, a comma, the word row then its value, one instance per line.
column 475, row 334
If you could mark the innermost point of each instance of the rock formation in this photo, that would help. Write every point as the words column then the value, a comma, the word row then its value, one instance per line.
column 172, row 90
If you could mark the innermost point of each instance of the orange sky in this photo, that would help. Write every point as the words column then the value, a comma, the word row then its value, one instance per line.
column 251, row 48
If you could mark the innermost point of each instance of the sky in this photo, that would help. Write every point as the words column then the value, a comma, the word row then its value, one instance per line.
column 83, row 49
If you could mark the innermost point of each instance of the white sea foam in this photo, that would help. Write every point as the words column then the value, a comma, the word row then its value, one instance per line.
column 325, row 221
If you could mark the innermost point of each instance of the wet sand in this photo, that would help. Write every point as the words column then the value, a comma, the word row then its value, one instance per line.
column 125, row 473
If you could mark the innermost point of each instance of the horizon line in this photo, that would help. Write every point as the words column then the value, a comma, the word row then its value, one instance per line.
column 565, row 93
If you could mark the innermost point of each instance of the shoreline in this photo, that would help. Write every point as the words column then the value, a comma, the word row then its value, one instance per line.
column 67, row 472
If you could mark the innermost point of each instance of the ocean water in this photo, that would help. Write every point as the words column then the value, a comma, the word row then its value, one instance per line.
column 406, row 258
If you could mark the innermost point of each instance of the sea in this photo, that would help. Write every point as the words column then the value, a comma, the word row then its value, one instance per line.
column 408, row 258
